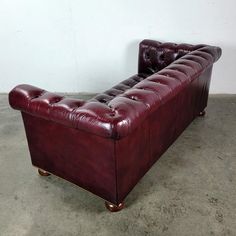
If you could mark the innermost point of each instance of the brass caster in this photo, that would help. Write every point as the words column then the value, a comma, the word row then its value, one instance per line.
column 114, row 208
column 43, row 172
column 202, row 113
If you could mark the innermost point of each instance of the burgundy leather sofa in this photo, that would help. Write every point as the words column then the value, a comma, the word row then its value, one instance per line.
column 106, row 144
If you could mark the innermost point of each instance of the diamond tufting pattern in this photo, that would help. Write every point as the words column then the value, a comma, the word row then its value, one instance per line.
column 164, row 70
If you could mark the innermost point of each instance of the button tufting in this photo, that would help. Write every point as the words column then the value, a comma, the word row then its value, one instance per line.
column 112, row 110
column 162, row 57
column 147, row 55
column 102, row 100
column 133, row 98
column 93, row 115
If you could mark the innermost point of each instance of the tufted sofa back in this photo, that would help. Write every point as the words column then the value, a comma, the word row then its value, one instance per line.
column 164, row 70
column 154, row 55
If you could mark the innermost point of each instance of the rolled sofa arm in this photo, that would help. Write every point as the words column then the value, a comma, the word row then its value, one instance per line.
column 88, row 116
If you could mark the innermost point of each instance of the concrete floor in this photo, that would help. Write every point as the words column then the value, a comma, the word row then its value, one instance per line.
column 191, row 190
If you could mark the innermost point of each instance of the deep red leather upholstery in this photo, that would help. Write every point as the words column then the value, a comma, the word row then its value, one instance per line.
column 128, row 126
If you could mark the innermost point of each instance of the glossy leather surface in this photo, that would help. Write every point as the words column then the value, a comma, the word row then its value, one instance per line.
column 128, row 126
column 77, row 156
column 118, row 111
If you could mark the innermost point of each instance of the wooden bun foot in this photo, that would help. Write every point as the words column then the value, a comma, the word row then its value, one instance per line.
column 202, row 113
column 43, row 172
column 114, row 208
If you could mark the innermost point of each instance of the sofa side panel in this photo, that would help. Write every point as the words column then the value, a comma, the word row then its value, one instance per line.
column 82, row 158
column 163, row 128
column 203, row 89
column 186, row 107
column 137, row 152
column 133, row 159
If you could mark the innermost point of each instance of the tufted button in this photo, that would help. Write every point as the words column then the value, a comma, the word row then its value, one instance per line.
column 133, row 98
column 162, row 57
column 113, row 111
column 147, row 55
column 102, row 100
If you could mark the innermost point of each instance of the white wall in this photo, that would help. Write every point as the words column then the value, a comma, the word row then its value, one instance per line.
column 77, row 45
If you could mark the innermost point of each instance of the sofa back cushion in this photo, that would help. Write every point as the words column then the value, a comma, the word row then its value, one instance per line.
column 154, row 56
